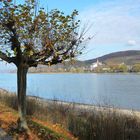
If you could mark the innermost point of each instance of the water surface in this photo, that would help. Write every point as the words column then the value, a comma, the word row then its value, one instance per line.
column 119, row 90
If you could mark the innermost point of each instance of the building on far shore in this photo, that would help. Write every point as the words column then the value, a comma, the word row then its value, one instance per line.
column 95, row 65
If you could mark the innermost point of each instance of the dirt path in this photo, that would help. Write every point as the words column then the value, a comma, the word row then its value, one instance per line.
column 4, row 136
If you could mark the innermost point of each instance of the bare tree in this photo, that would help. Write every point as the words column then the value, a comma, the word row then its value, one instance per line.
column 28, row 39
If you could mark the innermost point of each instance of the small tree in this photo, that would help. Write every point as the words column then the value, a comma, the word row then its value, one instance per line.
column 28, row 39
column 135, row 68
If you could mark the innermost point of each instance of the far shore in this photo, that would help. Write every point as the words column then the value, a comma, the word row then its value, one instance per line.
column 138, row 73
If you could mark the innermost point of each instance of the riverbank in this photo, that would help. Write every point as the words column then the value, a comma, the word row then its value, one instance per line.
column 39, row 129
column 78, row 106
column 87, row 107
column 85, row 122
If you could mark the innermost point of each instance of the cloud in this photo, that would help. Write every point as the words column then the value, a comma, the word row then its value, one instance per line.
column 114, row 22
column 131, row 43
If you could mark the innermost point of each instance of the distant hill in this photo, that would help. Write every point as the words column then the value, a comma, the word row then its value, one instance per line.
column 129, row 57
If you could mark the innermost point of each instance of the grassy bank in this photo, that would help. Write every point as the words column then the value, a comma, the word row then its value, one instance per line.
column 86, row 123
column 40, row 129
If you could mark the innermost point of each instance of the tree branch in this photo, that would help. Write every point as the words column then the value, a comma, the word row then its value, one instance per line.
column 4, row 57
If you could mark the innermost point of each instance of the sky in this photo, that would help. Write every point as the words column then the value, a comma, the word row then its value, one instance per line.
column 115, row 24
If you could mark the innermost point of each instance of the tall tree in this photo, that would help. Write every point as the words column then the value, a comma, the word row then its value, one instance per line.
column 28, row 38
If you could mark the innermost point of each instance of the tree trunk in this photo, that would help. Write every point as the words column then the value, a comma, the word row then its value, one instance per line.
column 21, row 88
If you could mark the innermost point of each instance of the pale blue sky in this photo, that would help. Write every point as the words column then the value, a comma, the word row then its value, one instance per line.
column 115, row 23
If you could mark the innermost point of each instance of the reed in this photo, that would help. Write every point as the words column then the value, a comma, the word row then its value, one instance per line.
column 86, row 124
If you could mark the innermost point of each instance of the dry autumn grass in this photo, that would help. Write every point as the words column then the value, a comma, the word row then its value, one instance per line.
column 39, row 130
column 8, row 118
column 51, row 120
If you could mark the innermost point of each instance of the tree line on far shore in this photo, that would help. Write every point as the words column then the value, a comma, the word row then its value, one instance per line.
column 116, row 68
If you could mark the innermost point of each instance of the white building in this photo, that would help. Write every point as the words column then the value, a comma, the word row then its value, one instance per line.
column 95, row 65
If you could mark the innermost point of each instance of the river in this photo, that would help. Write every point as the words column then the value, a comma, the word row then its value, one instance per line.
column 118, row 90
